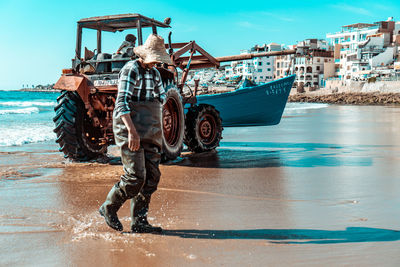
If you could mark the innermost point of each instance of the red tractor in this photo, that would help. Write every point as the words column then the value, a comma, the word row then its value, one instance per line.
column 83, row 120
column 88, row 91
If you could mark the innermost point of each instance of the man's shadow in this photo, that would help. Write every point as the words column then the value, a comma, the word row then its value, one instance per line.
column 295, row 236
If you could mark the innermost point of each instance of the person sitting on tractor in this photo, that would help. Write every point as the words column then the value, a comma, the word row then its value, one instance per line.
column 138, row 133
column 126, row 48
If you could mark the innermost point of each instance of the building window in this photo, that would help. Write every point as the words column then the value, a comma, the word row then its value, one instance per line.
column 268, row 69
column 259, row 70
column 261, row 77
column 259, row 63
column 318, row 68
column 277, row 65
column 268, row 63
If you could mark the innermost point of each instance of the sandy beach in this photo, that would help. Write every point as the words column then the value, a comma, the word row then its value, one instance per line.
column 322, row 188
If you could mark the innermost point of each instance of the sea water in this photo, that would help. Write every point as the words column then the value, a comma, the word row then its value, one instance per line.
column 27, row 117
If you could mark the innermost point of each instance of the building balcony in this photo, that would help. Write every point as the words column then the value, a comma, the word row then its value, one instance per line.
column 372, row 50
column 350, row 30
column 360, row 61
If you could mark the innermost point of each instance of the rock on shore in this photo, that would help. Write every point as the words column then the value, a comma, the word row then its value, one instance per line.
column 349, row 98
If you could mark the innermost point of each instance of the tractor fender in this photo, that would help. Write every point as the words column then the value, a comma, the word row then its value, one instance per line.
column 76, row 82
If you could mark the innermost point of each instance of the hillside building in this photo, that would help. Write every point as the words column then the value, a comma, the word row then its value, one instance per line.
column 362, row 47
column 259, row 70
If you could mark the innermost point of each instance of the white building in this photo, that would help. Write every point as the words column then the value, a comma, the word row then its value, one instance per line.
column 313, row 64
column 258, row 69
column 284, row 65
column 312, row 69
column 361, row 47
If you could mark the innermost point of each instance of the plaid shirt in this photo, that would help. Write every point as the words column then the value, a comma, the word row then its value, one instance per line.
column 137, row 84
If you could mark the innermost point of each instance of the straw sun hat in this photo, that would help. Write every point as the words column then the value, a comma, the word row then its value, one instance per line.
column 153, row 50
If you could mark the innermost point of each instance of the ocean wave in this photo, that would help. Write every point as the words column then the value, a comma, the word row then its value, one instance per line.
column 25, row 134
column 304, row 106
column 28, row 103
column 20, row 111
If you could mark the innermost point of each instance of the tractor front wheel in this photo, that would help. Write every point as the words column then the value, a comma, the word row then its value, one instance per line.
column 76, row 135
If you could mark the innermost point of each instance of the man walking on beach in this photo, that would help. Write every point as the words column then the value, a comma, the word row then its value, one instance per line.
column 137, row 130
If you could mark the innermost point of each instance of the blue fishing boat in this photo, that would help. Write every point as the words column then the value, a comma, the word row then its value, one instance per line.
column 252, row 106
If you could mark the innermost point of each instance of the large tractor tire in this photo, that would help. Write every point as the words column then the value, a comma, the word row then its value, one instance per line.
column 203, row 130
column 173, row 124
column 76, row 135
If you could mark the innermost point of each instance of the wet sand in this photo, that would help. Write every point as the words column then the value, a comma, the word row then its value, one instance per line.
column 321, row 188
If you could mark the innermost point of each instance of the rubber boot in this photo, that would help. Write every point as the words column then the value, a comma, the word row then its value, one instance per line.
column 139, row 210
column 110, row 207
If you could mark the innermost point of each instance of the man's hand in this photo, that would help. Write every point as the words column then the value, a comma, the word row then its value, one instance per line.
column 133, row 140
column 133, row 136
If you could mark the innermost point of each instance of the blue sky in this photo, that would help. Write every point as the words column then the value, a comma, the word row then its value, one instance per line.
column 38, row 37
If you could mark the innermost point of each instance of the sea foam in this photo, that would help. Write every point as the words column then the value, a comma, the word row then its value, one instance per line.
column 304, row 106
column 20, row 111
column 19, row 135
column 28, row 103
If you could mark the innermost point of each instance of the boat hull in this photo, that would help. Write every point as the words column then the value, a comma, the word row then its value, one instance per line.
column 253, row 106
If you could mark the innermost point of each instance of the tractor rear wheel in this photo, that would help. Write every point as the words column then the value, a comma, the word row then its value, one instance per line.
column 173, row 124
column 203, row 130
column 78, row 138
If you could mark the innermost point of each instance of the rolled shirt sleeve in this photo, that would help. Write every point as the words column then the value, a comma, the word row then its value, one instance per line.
column 127, row 80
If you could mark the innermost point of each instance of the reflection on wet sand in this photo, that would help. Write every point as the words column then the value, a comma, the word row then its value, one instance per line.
column 263, row 155
column 296, row 236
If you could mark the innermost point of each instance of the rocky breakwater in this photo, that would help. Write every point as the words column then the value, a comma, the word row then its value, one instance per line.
column 352, row 98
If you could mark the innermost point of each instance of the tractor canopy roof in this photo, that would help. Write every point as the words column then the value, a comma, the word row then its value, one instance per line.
column 120, row 22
